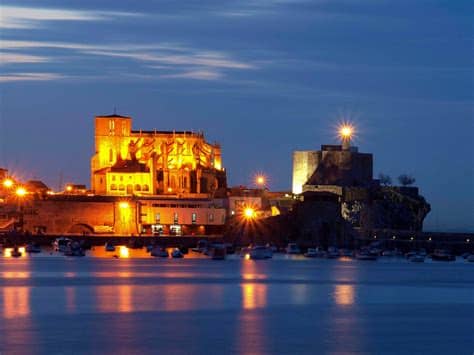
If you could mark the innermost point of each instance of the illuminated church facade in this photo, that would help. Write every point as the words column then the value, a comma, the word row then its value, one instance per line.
column 131, row 162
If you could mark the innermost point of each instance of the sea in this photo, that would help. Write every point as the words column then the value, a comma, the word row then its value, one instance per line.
column 135, row 304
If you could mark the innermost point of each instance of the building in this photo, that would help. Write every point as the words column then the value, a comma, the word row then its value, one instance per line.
column 333, row 165
column 139, row 162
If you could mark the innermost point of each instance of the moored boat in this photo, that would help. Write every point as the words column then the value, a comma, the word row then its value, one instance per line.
column 176, row 253
column 159, row 252
column 442, row 255
column 259, row 252
column 417, row 258
column 365, row 255
column 292, row 248
column 109, row 246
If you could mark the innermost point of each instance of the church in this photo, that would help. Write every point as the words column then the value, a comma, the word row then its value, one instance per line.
column 146, row 163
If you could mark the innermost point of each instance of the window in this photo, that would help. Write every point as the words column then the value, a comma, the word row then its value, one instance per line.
column 121, row 187
column 211, row 217
column 113, row 177
column 157, row 217
column 175, row 218
column 193, row 218
column 111, row 127
column 111, row 155
column 113, row 187
column 121, row 178
column 138, row 188
column 145, row 188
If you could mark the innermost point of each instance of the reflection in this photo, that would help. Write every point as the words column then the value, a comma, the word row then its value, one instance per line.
column 299, row 293
column 115, row 299
column 124, row 252
column 254, row 295
column 344, row 295
column 15, row 274
column 16, row 301
column 14, row 252
column 70, row 299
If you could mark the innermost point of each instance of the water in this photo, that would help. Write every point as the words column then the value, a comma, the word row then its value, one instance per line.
column 285, row 305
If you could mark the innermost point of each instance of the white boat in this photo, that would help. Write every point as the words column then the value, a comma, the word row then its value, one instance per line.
column 159, row 252
column 292, row 248
column 260, row 253
column 60, row 244
column 176, row 253
column 311, row 253
column 109, row 247
column 417, row 258
column 74, row 249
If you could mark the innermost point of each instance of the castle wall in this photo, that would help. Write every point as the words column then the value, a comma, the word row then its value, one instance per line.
column 304, row 164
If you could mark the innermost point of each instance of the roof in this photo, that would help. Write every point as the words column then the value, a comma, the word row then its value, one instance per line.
column 129, row 166
column 112, row 116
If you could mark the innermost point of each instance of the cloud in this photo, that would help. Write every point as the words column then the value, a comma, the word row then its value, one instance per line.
column 163, row 56
column 16, row 58
column 14, row 17
column 30, row 77
column 195, row 74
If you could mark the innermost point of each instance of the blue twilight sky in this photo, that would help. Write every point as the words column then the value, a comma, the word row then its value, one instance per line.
column 262, row 77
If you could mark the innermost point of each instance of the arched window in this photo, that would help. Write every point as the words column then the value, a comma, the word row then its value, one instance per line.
column 113, row 187
column 138, row 187
column 121, row 187
column 146, row 188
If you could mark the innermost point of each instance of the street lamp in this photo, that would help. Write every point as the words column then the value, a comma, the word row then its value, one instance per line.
column 21, row 191
column 8, row 183
column 249, row 213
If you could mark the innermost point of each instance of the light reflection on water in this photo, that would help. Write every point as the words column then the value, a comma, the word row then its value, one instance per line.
column 16, row 301
column 257, row 307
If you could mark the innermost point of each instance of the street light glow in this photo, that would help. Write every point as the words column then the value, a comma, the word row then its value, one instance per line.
column 346, row 131
column 249, row 212
column 21, row 191
column 8, row 183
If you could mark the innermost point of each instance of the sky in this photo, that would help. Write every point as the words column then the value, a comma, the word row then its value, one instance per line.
column 261, row 77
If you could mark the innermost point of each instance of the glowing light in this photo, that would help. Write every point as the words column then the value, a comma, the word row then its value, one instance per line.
column 247, row 256
column 249, row 212
column 260, row 180
column 124, row 252
column 170, row 189
column 69, row 188
column 346, row 131
column 8, row 183
column 124, row 205
column 21, row 191
column 22, row 250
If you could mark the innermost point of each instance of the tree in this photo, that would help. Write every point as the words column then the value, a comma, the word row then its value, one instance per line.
column 385, row 180
column 406, row 180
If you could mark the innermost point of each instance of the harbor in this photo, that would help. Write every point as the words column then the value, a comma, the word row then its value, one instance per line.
column 289, row 304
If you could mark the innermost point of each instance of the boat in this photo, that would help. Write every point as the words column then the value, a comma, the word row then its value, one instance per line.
column 470, row 258
column 60, row 244
column 33, row 248
column 159, row 252
column 201, row 246
column 74, row 249
column 388, row 253
column 442, row 255
column 292, row 248
column 365, row 255
column 176, row 253
column 346, row 253
column 311, row 253
column 109, row 247
column 417, row 258
column 260, row 252
column 411, row 254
